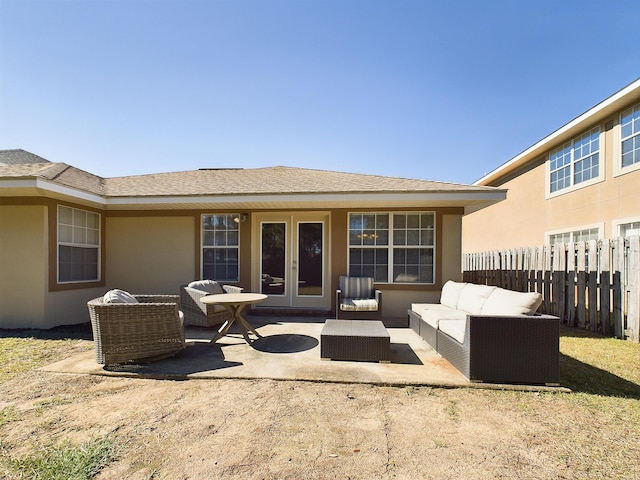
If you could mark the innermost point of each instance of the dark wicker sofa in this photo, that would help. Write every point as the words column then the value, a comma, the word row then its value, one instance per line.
column 520, row 348
column 500, row 349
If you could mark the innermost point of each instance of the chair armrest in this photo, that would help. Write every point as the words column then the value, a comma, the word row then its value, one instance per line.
column 144, row 298
column 377, row 294
column 527, row 344
column 232, row 289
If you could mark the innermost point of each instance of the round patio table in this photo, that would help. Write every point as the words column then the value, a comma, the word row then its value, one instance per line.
column 235, row 302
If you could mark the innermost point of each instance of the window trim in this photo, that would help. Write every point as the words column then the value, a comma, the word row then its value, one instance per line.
column 572, row 230
column 576, row 186
column 391, row 246
column 618, row 223
column 54, row 284
column 618, row 169
column 235, row 215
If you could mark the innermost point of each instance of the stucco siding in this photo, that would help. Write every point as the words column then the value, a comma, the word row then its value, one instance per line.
column 517, row 221
column 23, row 266
column 150, row 254
column 529, row 214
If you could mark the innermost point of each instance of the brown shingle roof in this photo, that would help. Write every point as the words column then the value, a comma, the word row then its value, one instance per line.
column 269, row 180
column 214, row 182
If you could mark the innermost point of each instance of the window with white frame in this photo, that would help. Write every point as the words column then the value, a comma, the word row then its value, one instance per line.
column 630, row 136
column 221, row 247
column 575, row 162
column 575, row 236
column 78, row 245
column 394, row 247
column 629, row 229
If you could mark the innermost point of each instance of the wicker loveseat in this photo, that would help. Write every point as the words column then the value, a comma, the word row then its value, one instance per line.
column 149, row 328
column 201, row 314
column 491, row 334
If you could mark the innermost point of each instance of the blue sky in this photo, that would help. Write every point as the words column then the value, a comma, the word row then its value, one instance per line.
column 439, row 90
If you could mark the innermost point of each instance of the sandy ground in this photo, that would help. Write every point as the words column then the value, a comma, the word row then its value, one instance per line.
column 269, row 429
column 265, row 429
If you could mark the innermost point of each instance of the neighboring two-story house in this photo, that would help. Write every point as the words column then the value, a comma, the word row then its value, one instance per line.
column 581, row 182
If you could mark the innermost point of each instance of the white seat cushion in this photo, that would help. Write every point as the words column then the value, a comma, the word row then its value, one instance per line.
column 359, row 305
column 453, row 328
column 118, row 296
column 416, row 307
column 508, row 302
column 473, row 297
column 433, row 317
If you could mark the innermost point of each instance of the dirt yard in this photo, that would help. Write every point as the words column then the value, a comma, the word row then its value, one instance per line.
column 262, row 429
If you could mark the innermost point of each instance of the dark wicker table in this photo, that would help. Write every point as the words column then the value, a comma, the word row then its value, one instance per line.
column 363, row 340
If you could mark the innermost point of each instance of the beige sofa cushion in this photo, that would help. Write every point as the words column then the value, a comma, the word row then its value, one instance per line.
column 473, row 297
column 433, row 316
column 508, row 302
column 451, row 293
column 453, row 328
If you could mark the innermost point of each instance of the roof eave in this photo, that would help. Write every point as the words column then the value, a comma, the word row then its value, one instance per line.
column 310, row 200
column 628, row 95
column 39, row 187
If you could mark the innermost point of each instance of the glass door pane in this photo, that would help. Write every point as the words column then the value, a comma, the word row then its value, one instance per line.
column 273, row 255
column 310, row 259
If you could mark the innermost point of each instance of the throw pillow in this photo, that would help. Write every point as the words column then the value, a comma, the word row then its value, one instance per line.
column 118, row 296
column 209, row 286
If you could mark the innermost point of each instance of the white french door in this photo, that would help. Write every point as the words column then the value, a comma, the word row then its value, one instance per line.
column 293, row 259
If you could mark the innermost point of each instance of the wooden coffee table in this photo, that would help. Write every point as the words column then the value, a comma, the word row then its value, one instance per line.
column 359, row 340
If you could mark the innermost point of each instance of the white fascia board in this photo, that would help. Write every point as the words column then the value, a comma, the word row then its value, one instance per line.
column 581, row 121
column 454, row 197
column 49, row 186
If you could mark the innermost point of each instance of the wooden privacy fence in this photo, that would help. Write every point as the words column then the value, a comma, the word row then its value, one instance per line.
column 592, row 285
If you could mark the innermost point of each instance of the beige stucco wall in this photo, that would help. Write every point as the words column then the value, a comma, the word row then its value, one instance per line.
column 25, row 299
column 23, row 265
column 527, row 216
column 150, row 254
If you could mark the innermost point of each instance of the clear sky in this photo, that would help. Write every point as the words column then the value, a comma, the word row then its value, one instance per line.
column 438, row 90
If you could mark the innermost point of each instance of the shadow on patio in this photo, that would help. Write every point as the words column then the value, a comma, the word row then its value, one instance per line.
column 288, row 350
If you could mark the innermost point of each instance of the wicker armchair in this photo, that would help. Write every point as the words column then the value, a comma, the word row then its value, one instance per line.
column 125, row 332
column 200, row 314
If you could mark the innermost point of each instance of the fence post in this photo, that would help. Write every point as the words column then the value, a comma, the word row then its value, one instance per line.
column 559, row 275
column 618, row 288
column 548, row 306
column 605, row 286
column 570, row 306
column 582, row 284
column 633, row 309
column 593, row 285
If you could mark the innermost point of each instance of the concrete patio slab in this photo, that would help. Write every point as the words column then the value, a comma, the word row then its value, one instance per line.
column 288, row 350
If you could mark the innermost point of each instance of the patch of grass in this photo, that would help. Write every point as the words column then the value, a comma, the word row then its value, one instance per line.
column 42, row 405
column 440, row 443
column 66, row 461
column 7, row 415
column 19, row 355
column 452, row 409
column 590, row 363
